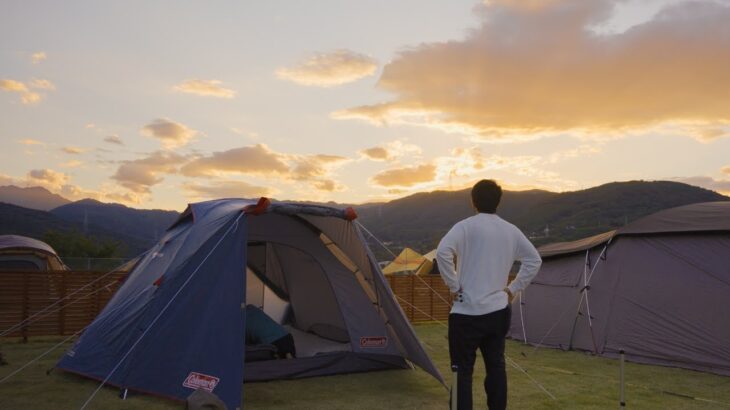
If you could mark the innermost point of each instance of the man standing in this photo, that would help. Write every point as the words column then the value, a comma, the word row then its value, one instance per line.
column 484, row 247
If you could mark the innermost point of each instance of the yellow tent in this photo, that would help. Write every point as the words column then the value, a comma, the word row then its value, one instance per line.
column 408, row 261
column 427, row 265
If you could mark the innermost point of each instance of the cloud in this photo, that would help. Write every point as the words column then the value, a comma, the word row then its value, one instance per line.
column 48, row 178
column 328, row 185
column 253, row 160
column 29, row 141
column 73, row 150
column 26, row 96
column 725, row 170
column 170, row 133
column 260, row 160
column 405, row 177
column 141, row 174
column 719, row 185
column 376, row 154
column 330, row 69
column 312, row 167
column 225, row 189
column 125, row 197
column 390, row 151
column 206, row 88
column 536, row 68
column 42, row 84
column 114, row 139
column 7, row 180
column 38, row 57
column 709, row 133
column 71, row 164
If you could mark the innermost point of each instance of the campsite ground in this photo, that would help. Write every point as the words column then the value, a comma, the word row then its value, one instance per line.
column 577, row 380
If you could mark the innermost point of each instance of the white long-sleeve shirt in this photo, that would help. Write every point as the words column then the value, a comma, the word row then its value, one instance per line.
column 485, row 247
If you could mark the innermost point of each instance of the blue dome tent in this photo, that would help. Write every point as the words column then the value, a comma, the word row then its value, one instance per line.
column 177, row 323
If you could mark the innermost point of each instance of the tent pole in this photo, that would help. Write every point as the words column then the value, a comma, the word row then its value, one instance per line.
column 522, row 319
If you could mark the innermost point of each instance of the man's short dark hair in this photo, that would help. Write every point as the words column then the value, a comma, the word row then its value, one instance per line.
column 485, row 196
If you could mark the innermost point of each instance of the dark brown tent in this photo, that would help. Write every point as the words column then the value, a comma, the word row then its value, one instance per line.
column 657, row 288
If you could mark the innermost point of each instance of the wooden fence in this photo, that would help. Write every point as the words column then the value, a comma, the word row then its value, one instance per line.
column 423, row 298
column 29, row 295
column 76, row 301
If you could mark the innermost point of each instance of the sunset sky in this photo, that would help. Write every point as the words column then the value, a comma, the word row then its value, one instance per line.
column 157, row 104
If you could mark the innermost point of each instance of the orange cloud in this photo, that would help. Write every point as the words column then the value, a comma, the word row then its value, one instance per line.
column 537, row 68
column 330, row 69
column 206, row 88
column 312, row 167
column 254, row 160
column 48, row 177
column 170, row 133
column 390, row 151
column 405, row 177
column 376, row 153
column 260, row 160
column 26, row 96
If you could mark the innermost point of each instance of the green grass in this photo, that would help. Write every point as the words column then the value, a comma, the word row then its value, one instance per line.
column 577, row 380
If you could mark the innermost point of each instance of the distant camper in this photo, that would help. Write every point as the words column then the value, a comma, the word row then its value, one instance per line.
column 20, row 253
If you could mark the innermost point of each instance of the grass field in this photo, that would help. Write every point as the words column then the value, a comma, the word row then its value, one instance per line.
column 577, row 380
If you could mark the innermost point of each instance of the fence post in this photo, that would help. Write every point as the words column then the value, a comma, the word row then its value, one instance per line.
column 26, row 302
column 430, row 309
column 413, row 298
column 62, row 311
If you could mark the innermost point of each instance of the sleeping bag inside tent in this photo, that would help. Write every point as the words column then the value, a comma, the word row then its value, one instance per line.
column 657, row 288
column 177, row 323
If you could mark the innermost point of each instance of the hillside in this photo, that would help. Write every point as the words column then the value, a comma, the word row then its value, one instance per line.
column 145, row 225
column 32, row 197
column 16, row 220
column 420, row 220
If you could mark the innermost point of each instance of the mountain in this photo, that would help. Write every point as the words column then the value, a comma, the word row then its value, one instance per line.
column 16, row 220
column 144, row 225
column 419, row 221
column 31, row 197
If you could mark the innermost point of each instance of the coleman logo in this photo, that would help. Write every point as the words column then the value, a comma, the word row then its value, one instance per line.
column 373, row 341
column 201, row 381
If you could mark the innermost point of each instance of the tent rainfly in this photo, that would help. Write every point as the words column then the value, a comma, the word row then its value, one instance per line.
column 177, row 322
column 23, row 253
column 407, row 261
column 429, row 265
column 658, row 289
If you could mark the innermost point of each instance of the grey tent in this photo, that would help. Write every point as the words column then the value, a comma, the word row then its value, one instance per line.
column 658, row 288
column 20, row 253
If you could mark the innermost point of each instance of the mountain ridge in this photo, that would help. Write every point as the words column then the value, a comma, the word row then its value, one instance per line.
column 34, row 197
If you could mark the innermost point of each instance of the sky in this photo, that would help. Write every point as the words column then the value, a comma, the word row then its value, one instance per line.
column 158, row 104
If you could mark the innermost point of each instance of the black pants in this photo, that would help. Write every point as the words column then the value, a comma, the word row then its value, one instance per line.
column 486, row 333
column 284, row 346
